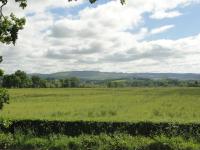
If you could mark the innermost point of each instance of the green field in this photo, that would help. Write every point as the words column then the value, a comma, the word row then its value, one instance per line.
column 133, row 105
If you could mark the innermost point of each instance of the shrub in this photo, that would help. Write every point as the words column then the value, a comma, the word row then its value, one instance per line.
column 4, row 97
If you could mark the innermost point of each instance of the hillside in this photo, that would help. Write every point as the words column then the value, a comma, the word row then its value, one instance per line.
column 96, row 75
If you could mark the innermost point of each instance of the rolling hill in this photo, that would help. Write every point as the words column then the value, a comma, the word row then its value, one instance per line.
column 97, row 75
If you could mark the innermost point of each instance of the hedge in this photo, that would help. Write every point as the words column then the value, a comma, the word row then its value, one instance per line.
column 41, row 128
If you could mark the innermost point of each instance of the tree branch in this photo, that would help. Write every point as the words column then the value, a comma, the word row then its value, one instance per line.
column 1, row 8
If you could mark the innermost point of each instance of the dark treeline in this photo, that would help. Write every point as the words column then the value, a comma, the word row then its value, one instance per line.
column 153, row 83
column 20, row 79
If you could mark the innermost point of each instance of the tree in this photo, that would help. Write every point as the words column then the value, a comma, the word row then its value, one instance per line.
column 24, row 79
column 11, row 81
column 9, row 28
column 4, row 97
column 74, row 82
column 66, row 83
column 17, row 80
column 10, row 25
column 36, row 81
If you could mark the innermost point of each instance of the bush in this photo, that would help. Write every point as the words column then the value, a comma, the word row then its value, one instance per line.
column 95, row 142
column 4, row 97
column 43, row 128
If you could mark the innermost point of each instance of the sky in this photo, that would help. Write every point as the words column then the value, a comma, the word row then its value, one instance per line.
column 160, row 36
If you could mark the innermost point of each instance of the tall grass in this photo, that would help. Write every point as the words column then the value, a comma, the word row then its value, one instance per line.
column 92, row 142
column 127, row 104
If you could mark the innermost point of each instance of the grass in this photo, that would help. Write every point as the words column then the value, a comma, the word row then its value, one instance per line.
column 92, row 142
column 127, row 104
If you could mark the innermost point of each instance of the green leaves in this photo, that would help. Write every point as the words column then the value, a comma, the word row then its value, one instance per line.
column 9, row 28
column 4, row 97
column 10, row 25
column 1, row 73
column 23, row 3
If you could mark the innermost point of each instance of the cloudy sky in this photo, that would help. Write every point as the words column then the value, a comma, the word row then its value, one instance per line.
column 141, row 36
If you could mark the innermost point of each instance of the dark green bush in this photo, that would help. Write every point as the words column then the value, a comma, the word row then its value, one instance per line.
column 4, row 97
column 42, row 128
column 95, row 142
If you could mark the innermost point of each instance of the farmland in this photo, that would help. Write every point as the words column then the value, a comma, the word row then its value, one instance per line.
column 119, row 105
column 101, row 118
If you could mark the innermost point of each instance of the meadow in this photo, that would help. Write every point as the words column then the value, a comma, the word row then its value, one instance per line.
column 119, row 105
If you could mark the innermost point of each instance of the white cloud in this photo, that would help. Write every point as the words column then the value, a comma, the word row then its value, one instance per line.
column 162, row 14
column 110, row 37
column 161, row 29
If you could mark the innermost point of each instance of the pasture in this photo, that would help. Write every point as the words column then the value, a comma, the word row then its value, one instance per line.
column 121, row 104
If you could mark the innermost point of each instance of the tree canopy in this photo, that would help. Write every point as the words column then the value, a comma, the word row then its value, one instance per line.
column 10, row 25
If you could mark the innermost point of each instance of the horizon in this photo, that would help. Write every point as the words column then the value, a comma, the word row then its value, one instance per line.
column 138, row 37
column 105, row 72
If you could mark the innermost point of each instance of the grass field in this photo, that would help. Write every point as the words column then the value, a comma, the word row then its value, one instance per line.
column 136, row 104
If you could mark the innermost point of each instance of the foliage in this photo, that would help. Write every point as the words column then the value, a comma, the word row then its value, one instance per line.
column 18, row 80
column 77, row 128
column 96, row 142
column 4, row 98
column 1, row 73
column 21, row 79
column 10, row 25
column 139, row 82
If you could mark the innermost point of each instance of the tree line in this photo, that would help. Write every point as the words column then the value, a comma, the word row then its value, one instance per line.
column 153, row 83
column 21, row 79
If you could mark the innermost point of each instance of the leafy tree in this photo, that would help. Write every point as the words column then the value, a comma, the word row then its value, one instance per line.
column 17, row 80
column 10, row 25
column 66, row 83
column 9, row 28
column 74, row 82
column 24, row 79
column 10, row 81
column 4, row 97
column 36, row 81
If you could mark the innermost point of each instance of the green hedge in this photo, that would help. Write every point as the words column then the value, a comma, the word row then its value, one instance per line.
column 41, row 128
column 95, row 142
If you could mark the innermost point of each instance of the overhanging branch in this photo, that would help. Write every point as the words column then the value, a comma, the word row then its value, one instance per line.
column 4, row 2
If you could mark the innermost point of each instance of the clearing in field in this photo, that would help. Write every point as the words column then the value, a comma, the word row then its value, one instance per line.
column 133, row 105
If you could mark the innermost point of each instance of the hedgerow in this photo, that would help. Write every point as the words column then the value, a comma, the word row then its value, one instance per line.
column 42, row 128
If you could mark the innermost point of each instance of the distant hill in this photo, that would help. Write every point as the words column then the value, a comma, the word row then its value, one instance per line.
column 96, row 75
